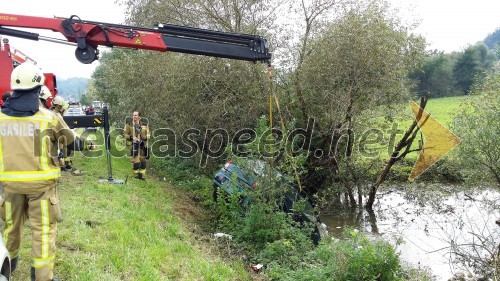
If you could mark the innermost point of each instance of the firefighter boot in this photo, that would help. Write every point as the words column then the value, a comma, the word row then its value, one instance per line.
column 68, row 164
column 137, row 167
column 13, row 264
column 142, row 170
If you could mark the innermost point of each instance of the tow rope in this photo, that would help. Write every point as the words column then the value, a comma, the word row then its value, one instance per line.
column 282, row 122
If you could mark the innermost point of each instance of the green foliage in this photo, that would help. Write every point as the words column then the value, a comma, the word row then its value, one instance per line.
column 443, row 75
column 478, row 127
column 471, row 65
column 354, row 257
column 188, row 92
column 435, row 77
column 361, row 60
column 187, row 176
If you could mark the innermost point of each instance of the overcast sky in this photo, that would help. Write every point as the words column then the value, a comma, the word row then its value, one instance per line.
column 448, row 25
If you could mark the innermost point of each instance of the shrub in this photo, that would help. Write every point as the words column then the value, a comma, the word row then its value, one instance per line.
column 354, row 257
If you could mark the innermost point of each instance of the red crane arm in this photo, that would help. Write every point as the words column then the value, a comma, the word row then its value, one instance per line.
column 89, row 35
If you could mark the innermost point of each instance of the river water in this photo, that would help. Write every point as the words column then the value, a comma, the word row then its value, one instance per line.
column 423, row 223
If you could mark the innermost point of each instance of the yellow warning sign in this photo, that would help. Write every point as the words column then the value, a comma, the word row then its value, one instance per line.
column 97, row 120
column 438, row 141
column 138, row 41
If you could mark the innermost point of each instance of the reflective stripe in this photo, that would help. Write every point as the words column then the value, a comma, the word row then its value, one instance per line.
column 8, row 221
column 44, row 209
column 38, row 263
column 44, row 161
column 30, row 175
column 1, row 156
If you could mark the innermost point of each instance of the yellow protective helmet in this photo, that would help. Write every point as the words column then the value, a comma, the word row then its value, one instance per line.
column 45, row 93
column 58, row 100
column 26, row 76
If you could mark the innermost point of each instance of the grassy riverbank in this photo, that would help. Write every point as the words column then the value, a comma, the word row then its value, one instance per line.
column 136, row 231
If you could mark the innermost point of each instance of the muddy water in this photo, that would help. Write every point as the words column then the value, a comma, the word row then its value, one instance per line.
column 425, row 223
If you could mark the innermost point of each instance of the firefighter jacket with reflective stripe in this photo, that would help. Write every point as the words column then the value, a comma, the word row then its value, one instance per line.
column 28, row 147
column 140, row 131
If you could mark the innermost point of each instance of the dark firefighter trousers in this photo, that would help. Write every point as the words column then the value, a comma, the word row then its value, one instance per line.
column 138, row 155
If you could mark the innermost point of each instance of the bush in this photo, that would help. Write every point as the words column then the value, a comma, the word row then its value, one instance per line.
column 354, row 257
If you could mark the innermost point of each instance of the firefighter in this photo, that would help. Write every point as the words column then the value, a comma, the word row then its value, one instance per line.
column 66, row 163
column 28, row 140
column 137, row 134
column 58, row 104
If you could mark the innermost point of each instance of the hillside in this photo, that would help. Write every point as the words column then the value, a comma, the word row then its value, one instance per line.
column 72, row 88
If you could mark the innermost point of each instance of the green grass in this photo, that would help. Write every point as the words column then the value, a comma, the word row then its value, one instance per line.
column 445, row 109
column 135, row 231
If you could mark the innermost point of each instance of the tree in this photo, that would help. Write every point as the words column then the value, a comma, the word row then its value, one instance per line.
column 184, row 92
column 478, row 126
column 470, row 66
column 435, row 77
column 358, row 62
column 347, row 58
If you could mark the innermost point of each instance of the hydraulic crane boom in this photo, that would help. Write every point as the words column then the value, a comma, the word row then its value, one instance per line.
column 88, row 35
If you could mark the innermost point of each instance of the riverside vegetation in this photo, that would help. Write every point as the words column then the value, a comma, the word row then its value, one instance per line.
column 162, row 229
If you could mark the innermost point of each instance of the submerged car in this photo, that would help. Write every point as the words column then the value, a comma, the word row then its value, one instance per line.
column 246, row 177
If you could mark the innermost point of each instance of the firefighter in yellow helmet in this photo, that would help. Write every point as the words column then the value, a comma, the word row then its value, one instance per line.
column 136, row 134
column 28, row 171
column 57, row 106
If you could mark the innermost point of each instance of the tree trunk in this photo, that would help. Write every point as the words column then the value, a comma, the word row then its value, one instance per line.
column 401, row 150
column 360, row 195
column 351, row 196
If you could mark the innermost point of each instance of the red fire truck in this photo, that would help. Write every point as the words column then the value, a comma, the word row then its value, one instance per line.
column 10, row 58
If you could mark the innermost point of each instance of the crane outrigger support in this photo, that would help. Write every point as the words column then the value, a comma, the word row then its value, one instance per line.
column 88, row 35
